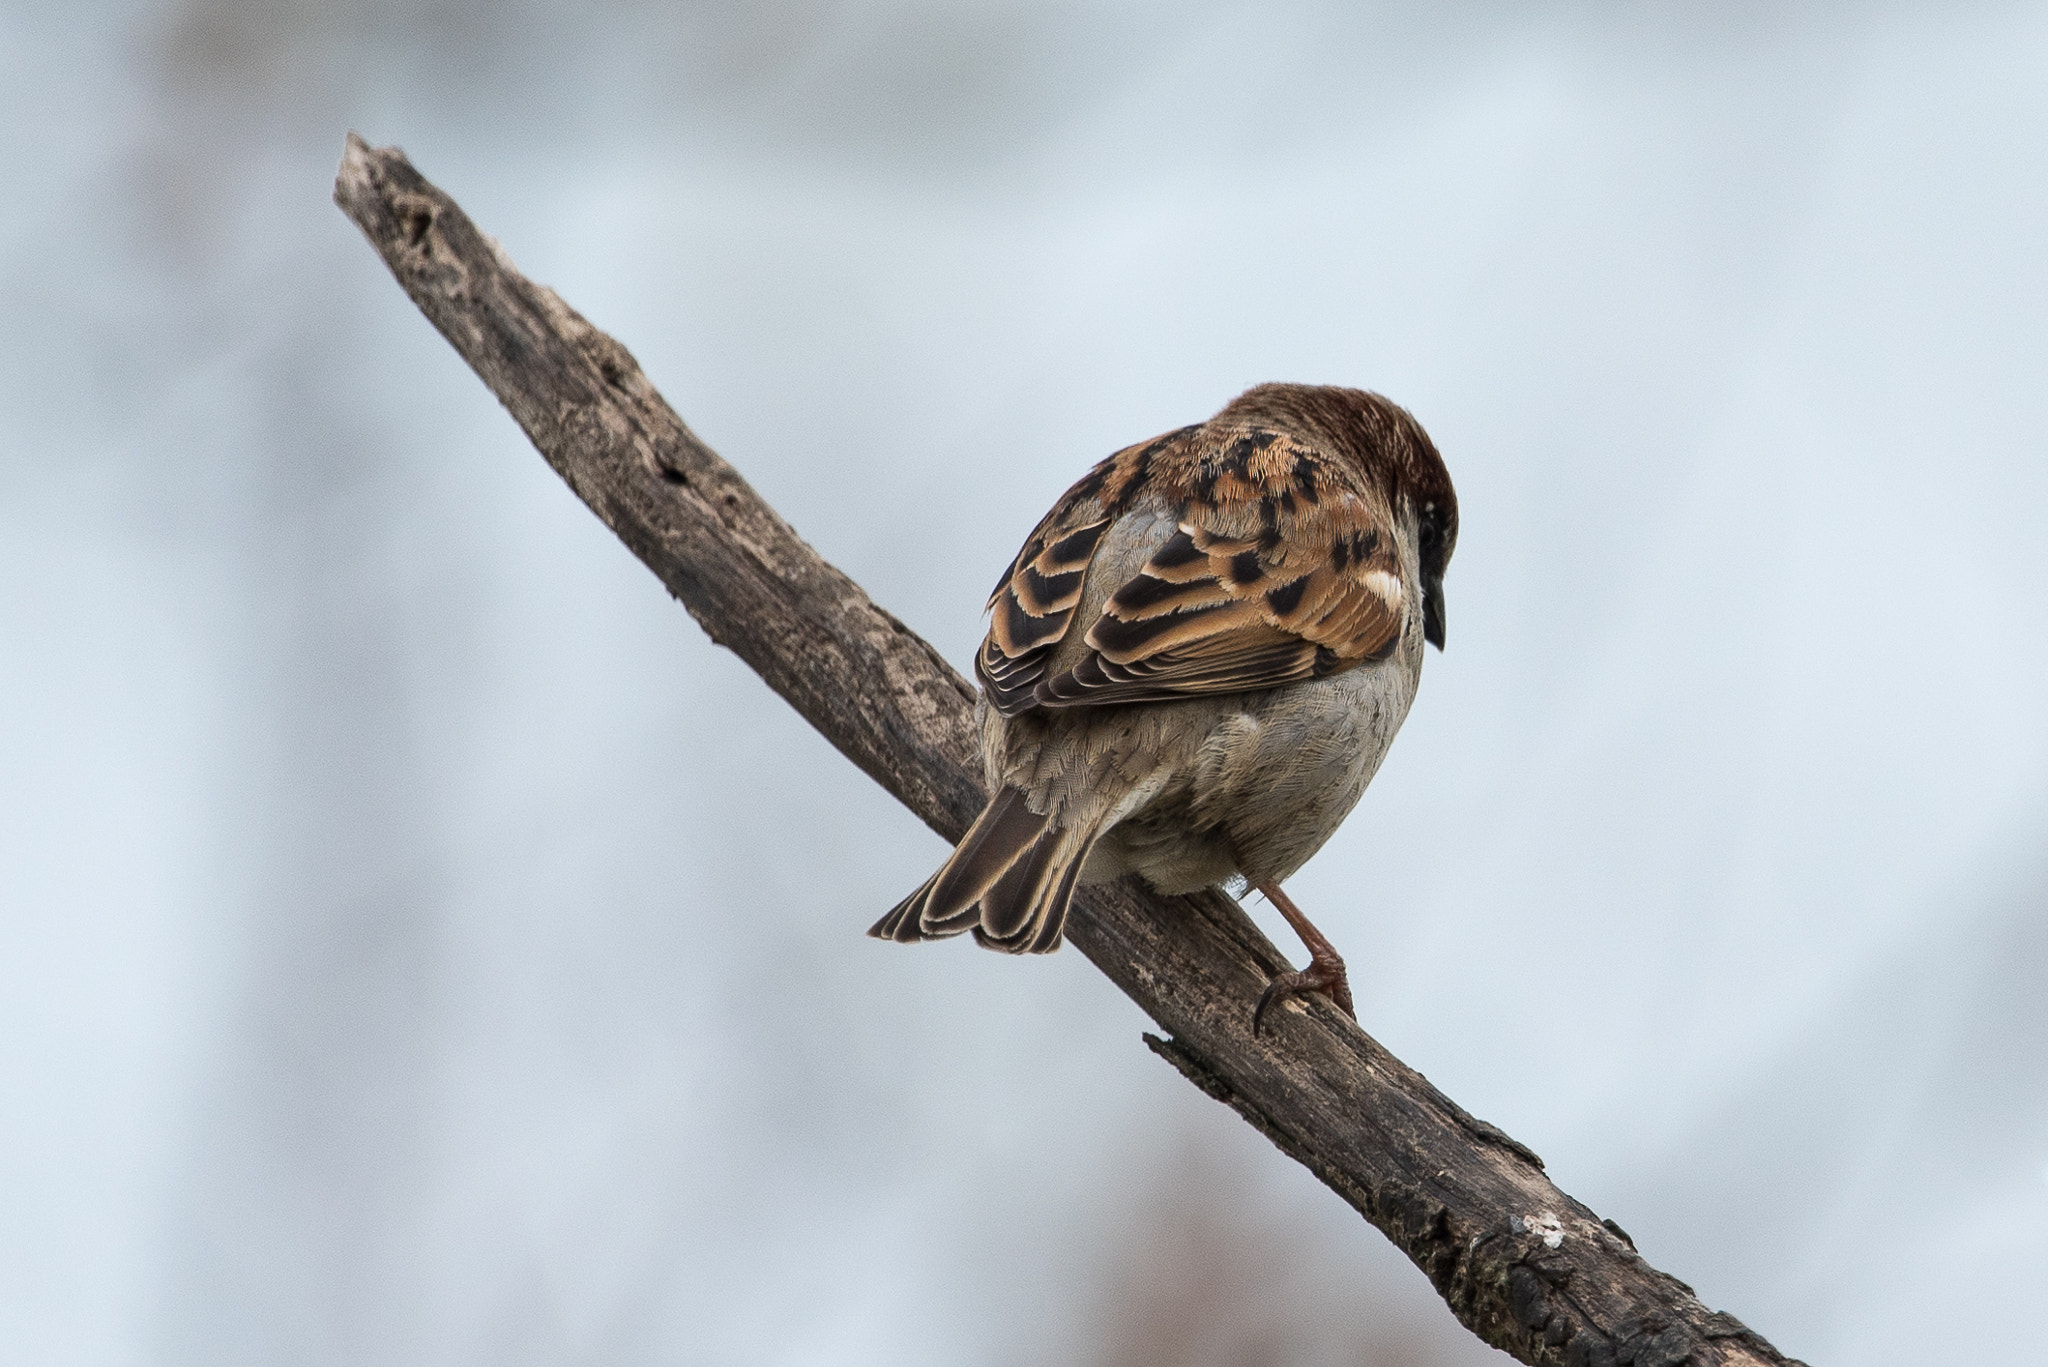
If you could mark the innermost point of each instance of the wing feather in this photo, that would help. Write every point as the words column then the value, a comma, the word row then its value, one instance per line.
column 1280, row 567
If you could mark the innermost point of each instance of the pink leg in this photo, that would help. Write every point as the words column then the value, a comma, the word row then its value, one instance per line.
column 1325, row 971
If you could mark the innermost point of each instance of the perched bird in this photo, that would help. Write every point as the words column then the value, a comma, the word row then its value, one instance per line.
column 1195, row 665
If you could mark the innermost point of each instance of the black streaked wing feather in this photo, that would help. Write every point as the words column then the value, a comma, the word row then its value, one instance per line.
column 1032, row 608
column 1284, row 572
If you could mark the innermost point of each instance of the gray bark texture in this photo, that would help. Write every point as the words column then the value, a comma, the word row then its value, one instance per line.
column 1522, row 1265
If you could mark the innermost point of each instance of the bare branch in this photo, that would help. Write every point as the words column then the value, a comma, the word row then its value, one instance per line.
column 1520, row 1263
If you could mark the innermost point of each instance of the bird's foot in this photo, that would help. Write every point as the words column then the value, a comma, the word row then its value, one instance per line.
column 1324, row 974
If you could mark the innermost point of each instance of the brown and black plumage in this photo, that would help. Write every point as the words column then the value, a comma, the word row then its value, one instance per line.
column 1195, row 664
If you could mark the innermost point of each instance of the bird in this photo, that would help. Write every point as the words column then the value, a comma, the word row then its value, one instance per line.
column 1194, row 666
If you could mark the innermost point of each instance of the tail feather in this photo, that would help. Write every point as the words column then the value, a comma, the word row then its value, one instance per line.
column 1010, row 881
column 1006, row 832
column 1007, row 907
column 900, row 924
column 1045, row 921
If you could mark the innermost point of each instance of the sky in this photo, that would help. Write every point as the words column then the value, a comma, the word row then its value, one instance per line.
column 418, row 944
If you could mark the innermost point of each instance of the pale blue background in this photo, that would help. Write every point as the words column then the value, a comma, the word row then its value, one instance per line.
column 419, row 945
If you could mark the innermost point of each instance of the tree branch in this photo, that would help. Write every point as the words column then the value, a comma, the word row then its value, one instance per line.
column 1520, row 1263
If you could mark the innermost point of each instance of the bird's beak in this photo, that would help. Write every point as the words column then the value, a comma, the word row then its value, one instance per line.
column 1433, row 611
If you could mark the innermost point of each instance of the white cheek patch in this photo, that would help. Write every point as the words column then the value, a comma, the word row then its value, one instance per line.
column 1384, row 587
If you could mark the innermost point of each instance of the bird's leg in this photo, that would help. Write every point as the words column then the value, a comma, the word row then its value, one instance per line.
column 1325, row 971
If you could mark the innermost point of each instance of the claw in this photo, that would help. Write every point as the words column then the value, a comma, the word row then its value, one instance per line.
column 1326, row 976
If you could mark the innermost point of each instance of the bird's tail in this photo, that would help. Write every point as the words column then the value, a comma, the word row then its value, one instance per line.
column 1010, row 881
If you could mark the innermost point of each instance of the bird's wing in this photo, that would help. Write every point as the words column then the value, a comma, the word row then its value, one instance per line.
column 1281, row 568
column 1035, row 601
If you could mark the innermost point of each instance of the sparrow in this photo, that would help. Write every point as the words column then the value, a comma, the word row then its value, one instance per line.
column 1195, row 665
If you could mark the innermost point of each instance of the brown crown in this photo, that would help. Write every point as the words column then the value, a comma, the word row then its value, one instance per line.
column 1381, row 436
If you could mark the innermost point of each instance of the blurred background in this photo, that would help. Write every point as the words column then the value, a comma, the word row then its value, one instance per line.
column 418, row 944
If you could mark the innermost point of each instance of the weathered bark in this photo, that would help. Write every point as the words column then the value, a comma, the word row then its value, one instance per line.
column 1520, row 1263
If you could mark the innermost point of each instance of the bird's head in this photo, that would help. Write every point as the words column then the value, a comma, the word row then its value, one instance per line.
column 1386, row 441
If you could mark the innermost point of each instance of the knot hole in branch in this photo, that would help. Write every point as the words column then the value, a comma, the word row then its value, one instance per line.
column 415, row 218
